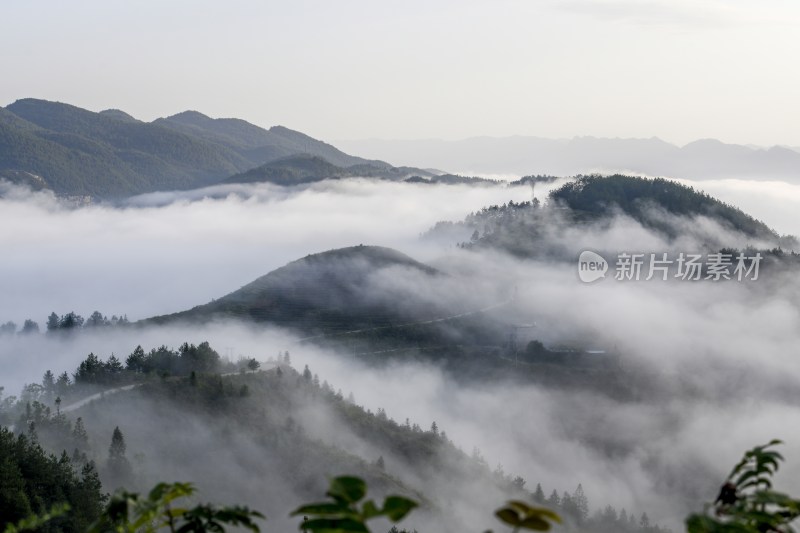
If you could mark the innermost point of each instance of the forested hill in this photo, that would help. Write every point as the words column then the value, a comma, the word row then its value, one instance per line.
column 79, row 152
column 111, row 154
column 664, row 207
column 596, row 195
column 338, row 290
column 267, row 437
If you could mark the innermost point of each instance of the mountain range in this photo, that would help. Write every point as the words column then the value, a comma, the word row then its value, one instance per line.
column 111, row 154
column 701, row 159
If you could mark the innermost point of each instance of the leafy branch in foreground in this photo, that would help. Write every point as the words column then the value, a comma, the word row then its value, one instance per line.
column 128, row 512
column 746, row 502
column 343, row 513
column 520, row 515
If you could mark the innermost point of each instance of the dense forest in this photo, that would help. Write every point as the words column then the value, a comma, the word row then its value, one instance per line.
column 275, row 408
column 532, row 230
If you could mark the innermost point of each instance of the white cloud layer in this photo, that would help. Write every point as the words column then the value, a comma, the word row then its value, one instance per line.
column 715, row 366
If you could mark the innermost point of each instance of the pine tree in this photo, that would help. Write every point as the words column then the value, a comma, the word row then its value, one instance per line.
column 581, row 503
column 435, row 429
column 554, row 500
column 49, row 382
column 610, row 515
column 117, row 449
column 380, row 463
column 52, row 322
column 135, row 362
column 119, row 469
column 644, row 521
column 307, row 373
column 538, row 495
column 62, row 384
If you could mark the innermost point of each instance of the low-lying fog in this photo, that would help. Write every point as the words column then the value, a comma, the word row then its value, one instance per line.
column 722, row 358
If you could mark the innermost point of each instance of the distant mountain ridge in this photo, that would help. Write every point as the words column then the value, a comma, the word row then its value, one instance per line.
column 305, row 168
column 111, row 154
column 256, row 144
column 701, row 159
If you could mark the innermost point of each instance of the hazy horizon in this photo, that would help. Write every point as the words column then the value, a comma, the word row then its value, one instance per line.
column 680, row 71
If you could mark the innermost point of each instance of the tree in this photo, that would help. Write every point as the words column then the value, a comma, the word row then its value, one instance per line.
column 49, row 382
column 434, row 429
column 287, row 360
column 644, row 521
column 53, row 322
column 380, row 463
column 96, row 320
column 90, row 370
column 581, row 503
column 136, row 361
column 29, row 327
column 113, row 366
column 538, row 495
column 118, row 448
column 307, row 373
column 35, row 482
column 119, row 469
column 70, row 321
column 253, row 365
column 80, row 437
column 62, row 383
column 9, row 328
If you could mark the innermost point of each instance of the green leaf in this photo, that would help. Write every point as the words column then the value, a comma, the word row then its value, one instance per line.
column 535, row 523
column 330, row 525
column 397, row 507
column 370, row 510
column 323, row 508
column 508, row 516
column 348, row 489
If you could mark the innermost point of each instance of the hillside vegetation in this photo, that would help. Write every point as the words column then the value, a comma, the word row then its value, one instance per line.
column 110, row 154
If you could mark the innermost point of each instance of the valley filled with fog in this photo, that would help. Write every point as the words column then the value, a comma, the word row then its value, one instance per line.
column 701, row 371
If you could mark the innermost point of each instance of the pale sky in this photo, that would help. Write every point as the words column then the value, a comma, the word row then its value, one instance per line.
column 346, row 69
